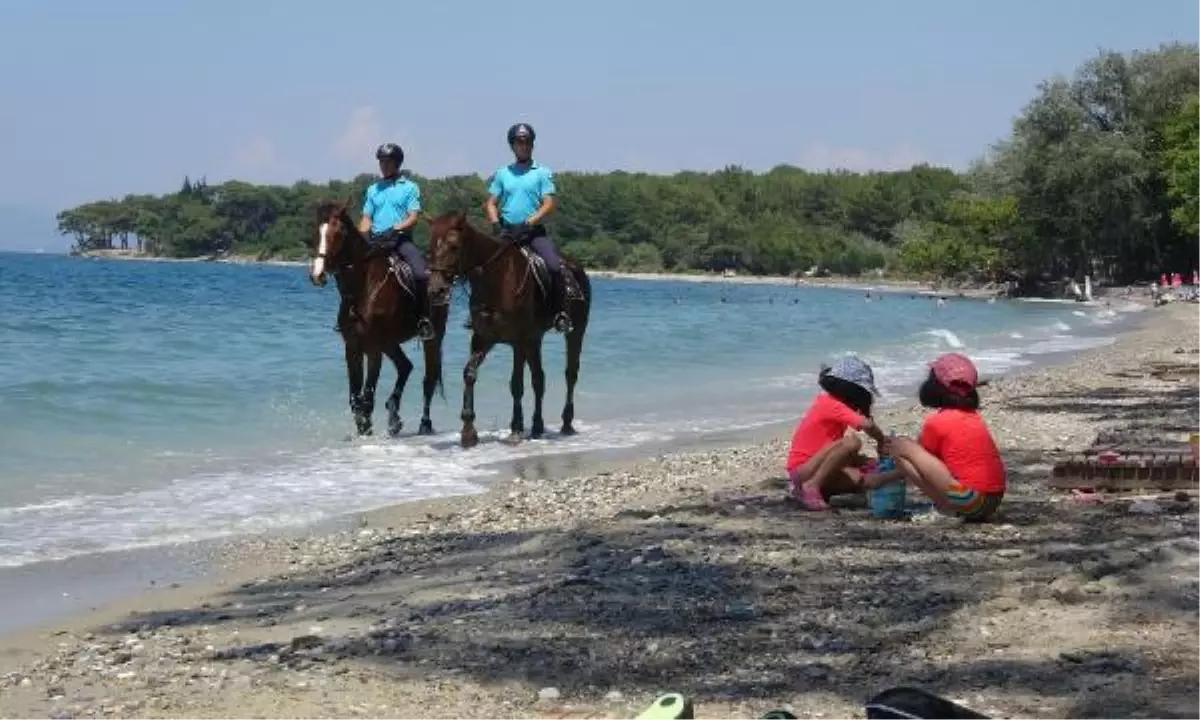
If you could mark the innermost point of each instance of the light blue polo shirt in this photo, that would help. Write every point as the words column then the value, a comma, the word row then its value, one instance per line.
column 388, row 202
column 520, row 190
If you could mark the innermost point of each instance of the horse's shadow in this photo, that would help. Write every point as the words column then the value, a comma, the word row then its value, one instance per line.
column 449, row 440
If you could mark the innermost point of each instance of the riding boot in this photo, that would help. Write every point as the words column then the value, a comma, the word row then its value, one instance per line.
column 424, row 324
column 568, row 292
column 572, row 290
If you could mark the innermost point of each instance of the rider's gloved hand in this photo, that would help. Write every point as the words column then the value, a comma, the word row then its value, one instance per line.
column 523, row 232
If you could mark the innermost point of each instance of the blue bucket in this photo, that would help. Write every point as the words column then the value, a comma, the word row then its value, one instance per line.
column 888, row 501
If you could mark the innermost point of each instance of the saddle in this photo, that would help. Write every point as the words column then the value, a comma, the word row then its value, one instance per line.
column 400, row 269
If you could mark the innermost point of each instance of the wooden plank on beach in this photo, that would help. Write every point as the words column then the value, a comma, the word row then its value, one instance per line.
column 1181, row 448
column 1161, row 470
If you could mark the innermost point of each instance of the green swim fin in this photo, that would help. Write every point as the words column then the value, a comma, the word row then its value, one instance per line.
column 672, row 706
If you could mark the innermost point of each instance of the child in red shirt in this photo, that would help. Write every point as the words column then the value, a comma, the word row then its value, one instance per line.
column 823, row 459
column 955, row 462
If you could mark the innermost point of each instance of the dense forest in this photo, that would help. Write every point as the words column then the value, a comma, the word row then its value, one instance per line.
column 1100, row 175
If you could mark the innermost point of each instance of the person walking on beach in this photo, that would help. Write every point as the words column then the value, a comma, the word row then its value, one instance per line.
column 823, row 460
column 520, row 196
column 955, row 461
column 391, row 208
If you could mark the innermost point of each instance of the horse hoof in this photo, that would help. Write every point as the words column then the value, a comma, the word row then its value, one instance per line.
column 395, row 428
column 514, row 438
column 537, row 432
column 426, row 427
column 469, row 439
column 567, row 430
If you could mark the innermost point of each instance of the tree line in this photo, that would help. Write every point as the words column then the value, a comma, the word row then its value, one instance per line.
column 1099, row 176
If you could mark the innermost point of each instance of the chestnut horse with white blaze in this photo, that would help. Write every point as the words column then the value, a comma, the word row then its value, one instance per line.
column 511, row 304
column 381, row 290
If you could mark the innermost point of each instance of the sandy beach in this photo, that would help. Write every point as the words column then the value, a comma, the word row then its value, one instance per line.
column 589, row 595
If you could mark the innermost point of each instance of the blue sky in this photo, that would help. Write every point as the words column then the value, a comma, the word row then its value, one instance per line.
column 107, row 98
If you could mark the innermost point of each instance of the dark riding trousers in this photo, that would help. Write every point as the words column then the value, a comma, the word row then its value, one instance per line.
column 544, row 246
column 540, row 241
column 415, row 259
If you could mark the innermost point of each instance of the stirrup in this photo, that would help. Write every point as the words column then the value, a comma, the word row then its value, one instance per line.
column 562, row 322
column 425, row 329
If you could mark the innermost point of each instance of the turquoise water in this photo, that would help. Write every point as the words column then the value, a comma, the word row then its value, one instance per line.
column 145, row 403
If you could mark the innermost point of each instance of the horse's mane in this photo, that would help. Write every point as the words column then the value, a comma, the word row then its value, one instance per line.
column 329, row 208
column 341, row 209
column 441, row 224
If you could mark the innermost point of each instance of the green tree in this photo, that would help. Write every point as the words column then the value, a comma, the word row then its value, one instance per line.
column 1182, row 159
column 1099, row 175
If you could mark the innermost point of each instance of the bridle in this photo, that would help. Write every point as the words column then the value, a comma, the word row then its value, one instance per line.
column 347, row 264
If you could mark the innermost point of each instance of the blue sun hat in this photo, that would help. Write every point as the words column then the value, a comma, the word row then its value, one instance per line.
column 853, row 369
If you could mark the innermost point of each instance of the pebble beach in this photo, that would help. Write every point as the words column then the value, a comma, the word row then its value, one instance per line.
column 590, row 595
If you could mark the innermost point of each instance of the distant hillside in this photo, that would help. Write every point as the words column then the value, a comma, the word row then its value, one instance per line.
column 28, row 228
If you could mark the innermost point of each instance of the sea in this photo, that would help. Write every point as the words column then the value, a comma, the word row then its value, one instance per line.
column 152, row 403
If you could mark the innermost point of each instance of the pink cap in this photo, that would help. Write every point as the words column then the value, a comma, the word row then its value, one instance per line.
column 956, row 372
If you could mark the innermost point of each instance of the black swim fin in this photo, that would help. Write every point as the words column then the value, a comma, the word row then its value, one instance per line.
column 909, row 702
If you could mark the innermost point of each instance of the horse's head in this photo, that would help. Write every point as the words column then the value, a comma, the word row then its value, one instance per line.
column 448, row 233
column 335, row 230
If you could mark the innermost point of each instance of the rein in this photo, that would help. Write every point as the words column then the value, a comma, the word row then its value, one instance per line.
column 364, row 260
column 505, row 245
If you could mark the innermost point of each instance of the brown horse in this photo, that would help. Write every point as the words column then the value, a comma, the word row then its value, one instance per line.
column 384, row 315
column 510, row 305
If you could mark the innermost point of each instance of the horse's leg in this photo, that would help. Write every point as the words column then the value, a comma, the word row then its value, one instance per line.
column 574, row 350
column 433, row 379
column 354, row 373
column 366, row 399
column 479, row 351
column 516, row 385
column 404, row 368
column 537, row 378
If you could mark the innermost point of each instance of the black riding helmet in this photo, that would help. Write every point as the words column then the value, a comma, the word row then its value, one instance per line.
column 390, row 150
column 521, row 130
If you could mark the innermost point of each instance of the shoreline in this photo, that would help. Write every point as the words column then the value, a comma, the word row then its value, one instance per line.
column 880, row 284
column 170, row 562
column 414, row 578
column 150, row 568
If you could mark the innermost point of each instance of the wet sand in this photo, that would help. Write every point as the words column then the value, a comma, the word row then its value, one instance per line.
column 592, row 592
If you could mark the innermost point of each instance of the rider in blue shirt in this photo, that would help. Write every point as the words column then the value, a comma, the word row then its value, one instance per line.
column 390, row 210
column 520, row 197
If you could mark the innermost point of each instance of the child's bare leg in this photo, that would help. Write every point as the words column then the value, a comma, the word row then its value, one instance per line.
column 837, row 458
column 805, row 471
column 926, row 472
